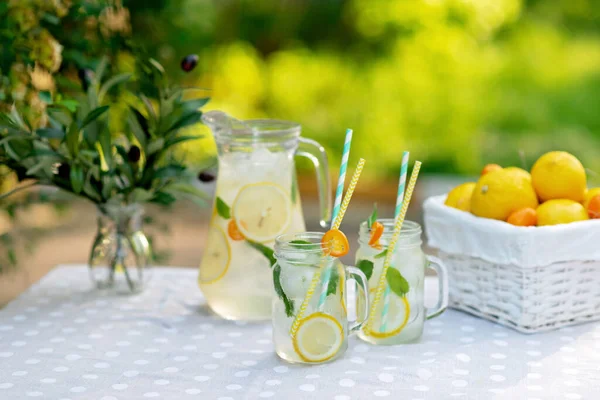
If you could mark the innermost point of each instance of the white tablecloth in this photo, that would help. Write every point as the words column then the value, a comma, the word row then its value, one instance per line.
column 64, row 340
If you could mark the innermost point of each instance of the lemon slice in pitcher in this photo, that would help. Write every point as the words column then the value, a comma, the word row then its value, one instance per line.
column 262, row 211
column 319, row 338
column 215, row 262
column 397, row 317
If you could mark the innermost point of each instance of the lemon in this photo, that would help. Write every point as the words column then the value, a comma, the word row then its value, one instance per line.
column 499, row 193
column 588, row 196
column 519, row 171
column 559, row 175
column 262, row 211
column 560, row 211
column 319, row 338
column 396, row 319
column 215, row 262
column 460, row 196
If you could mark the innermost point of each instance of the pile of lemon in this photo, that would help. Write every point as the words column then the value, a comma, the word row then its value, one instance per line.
column 554, row 193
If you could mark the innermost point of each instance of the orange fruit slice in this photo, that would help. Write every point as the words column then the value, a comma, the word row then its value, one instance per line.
column 335, row 242
column 376, row 232
column 233, row 231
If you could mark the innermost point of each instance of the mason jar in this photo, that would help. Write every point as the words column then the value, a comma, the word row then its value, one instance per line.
column 310, row 320
column 400, row 313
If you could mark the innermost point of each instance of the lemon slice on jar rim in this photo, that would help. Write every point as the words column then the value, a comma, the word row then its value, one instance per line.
column 319, row 338
column 262, row 211
column 215, row 262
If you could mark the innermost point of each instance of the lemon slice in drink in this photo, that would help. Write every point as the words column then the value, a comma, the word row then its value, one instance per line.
column 396, row 319
column 215, row 262
column 262, row 211
column 319, row 337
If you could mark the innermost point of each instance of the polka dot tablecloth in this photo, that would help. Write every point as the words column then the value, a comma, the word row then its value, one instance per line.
column 64, row 340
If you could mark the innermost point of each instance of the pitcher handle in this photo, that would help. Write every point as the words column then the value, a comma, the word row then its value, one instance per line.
column 362, row 282
column 316, row 153
column 442, row 274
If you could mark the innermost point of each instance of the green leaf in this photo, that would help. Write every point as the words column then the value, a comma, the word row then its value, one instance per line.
column 382, row 254
column 366, row 267
column 334, row 278
column 169, row 171
column 93, row 115
column 373, row 217
column 179, row 139
column 186, row 120
column 73, row 139
column 223, row 209
column 46, row 97
column 115, row 80
column 105, row 144
column 265, row 251
column 289, row 304
column 50, row 133
column 76, row 178
column 163, row 198
column 155, row 146
column 17, row 120
column 140, row 134
column 70, row 105
column 140, row 195
column 157, row 65
column 300, row 242
column 396, row 282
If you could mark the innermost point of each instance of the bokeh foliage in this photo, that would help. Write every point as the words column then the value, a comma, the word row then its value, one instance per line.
column 458, row 82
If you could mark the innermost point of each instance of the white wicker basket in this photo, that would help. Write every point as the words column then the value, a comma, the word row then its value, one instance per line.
column 530, row 279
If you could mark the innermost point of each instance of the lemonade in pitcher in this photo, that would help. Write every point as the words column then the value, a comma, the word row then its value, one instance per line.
column 256, row 200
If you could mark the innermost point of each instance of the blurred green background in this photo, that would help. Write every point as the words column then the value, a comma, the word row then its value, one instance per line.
column 460, row 83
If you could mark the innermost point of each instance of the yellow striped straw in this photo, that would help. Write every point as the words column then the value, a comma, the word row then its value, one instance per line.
column 336, row 225
column 392, row 245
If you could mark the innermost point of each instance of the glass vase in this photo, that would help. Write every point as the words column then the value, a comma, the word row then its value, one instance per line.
column 121, row 254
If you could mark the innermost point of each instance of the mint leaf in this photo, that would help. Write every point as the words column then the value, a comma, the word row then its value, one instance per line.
column 223, row 209
column 366, row 267
column 334, row 278
column 300, row 242
column 289, row 304
column 267, row 252
column 373, row 217
column 397, row 283
column 382, row 254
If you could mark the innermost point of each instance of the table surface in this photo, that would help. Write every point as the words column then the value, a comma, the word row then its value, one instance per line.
column 64, row 340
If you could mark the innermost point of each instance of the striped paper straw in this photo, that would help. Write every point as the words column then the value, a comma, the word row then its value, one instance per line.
column 392, row 245
column 336, row 225
column 339, row 191
column 399, row 200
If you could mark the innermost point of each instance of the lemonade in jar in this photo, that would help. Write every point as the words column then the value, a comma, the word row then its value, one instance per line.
column 318, row 332
column 256, row 200
column 400, row 315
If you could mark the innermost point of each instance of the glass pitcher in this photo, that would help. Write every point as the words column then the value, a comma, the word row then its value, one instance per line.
column 256, row 200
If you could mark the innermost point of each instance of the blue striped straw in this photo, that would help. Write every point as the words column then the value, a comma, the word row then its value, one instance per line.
column 399, row 201
column 339, row 192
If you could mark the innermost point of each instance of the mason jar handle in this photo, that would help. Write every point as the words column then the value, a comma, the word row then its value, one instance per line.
column 442, row 274
column 361, row 281
column 316, row 153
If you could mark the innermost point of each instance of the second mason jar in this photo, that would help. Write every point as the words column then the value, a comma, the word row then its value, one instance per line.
column 398, row 318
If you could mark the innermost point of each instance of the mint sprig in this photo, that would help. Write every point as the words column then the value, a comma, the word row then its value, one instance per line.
column 366, row 267
column 372, row 217
column 397, row 283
